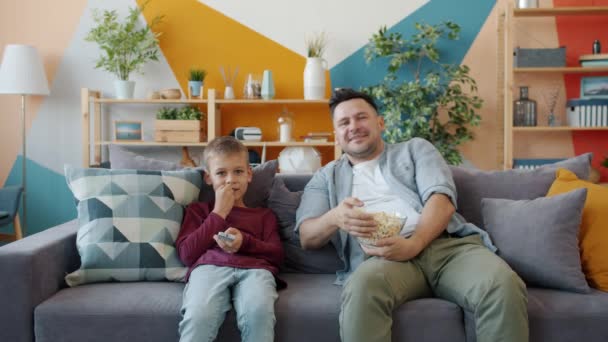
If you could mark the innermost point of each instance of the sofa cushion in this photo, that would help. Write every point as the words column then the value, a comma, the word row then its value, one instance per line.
column 539, row 238
column 560, row 316
column 284, row 204
column 121, row 158
column 111, row 312
column 128, row 223
column 593, row 235
column 473, row 185
column 323, row 260
column 256, row 195
column 306, row 311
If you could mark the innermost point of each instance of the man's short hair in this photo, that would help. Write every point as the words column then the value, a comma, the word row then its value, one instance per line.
column 344, row 94
column 223, row 146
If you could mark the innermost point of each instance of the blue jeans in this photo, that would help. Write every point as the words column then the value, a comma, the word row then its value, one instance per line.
column 207, row 300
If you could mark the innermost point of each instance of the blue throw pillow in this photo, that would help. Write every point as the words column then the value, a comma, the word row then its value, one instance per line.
column 128, row 223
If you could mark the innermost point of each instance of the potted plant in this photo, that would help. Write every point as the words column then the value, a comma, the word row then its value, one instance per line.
column 412, row 106
column 195, row 82
column 314, row 72
column 179, row 125
column 125, row 47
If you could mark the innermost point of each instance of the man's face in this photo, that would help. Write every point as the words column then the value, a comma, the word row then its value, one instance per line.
column 358, row 129
column 232, row 169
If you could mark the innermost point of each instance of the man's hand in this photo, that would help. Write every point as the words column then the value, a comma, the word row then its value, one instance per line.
column 230, row 247
column 396, row 248
column 354, row 221
column 224, row 200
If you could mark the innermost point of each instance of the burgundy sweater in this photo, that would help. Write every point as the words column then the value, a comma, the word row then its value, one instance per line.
column 261, row 246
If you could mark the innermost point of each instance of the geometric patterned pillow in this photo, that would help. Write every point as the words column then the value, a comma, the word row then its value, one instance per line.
column 128, row 223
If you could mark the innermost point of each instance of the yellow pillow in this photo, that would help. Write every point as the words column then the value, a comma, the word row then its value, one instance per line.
column 593, row 235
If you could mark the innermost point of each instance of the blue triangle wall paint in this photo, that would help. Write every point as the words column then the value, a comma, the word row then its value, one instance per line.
column 470, row 15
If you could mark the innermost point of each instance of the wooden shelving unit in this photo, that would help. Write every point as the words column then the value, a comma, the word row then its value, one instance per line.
column 92, row 99
column 507, row 72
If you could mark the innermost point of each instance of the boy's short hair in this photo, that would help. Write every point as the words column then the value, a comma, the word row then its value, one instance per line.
column 224, row 146
column 344, row 94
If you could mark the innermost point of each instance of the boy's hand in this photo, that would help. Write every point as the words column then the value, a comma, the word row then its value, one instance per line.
column 224, row 200
column 230, row 247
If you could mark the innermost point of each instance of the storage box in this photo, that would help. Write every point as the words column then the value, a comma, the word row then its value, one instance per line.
column 531, row 164
column 527, row 58
column 587, row 112
column 179, row 131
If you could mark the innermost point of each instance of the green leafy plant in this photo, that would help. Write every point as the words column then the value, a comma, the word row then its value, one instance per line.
column 184, row 113
column 197, row 75
column 605, row 162
column 437, row 102
column 316, row 44
column 125, row 48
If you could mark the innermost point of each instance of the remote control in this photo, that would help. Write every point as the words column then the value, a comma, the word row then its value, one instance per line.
column 226, row 236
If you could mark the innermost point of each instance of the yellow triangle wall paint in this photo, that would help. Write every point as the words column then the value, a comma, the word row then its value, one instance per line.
column 195, row 35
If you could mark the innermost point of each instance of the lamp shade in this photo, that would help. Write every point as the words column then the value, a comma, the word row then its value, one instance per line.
column 22, row 72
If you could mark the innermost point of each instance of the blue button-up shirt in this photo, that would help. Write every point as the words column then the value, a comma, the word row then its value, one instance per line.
column 415, row 170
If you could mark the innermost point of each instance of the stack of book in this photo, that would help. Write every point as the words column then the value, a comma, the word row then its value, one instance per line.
column 316, row 137
column 595, row 60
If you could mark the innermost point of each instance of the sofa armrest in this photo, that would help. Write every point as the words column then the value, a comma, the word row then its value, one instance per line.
column 32, row 270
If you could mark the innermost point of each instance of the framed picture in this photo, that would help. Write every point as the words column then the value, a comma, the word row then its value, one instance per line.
column 594, row 87
column 127, row 131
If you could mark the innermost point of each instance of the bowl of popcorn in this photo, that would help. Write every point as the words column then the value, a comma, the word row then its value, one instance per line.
column 388, row 225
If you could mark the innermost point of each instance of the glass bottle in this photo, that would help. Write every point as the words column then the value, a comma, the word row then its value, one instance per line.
column 597, row 47
column 285, row 126
column 524, row 109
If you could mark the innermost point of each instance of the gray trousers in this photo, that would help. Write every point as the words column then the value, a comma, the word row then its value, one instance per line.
column 460, row 270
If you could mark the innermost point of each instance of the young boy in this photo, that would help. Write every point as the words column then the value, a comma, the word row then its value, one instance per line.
column 244, row 264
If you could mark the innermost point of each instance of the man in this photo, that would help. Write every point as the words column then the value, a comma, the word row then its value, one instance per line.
column 437, row 253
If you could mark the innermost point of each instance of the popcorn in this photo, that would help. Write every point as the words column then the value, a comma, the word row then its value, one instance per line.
column 388, row 225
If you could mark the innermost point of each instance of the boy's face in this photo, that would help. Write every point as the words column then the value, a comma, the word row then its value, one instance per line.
column 232, row 169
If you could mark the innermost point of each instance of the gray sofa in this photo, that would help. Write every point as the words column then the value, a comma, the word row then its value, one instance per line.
column 36, row 304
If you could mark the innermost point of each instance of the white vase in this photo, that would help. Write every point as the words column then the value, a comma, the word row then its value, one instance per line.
column 314, row 78
column 229, row 93
column 124, row 89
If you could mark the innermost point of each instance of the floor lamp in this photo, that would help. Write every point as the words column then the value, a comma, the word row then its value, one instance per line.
column 22, row 73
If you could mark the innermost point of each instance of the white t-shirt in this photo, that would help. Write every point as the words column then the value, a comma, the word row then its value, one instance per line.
column 370, row 187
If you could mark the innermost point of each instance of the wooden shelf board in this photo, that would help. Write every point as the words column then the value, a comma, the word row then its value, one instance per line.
column 246, row 143
column 558, row 129
column 149, row 143
column 293, row 143
column 134, row 101
column 567, row 70
column 273, row 101
column 552, row 12
column 219, row 101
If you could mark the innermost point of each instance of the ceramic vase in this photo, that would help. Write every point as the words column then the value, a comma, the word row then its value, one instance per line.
column 195, row 87
column 267, row 85
column 314, row 78
column 124, row 89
